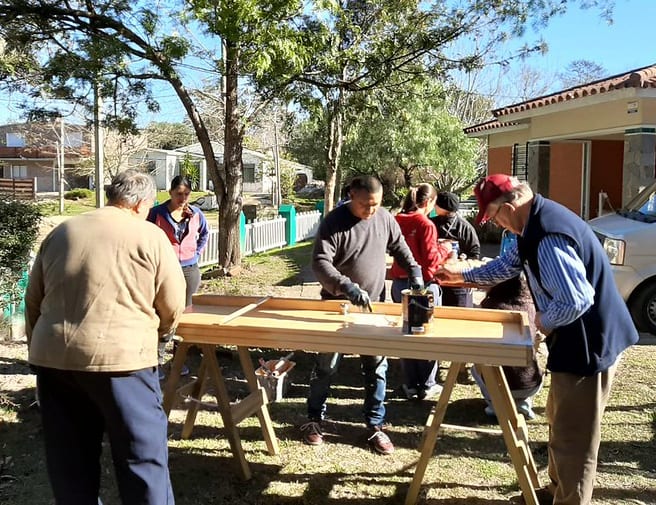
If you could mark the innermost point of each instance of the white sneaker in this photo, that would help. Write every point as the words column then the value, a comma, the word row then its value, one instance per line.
column 429, row 393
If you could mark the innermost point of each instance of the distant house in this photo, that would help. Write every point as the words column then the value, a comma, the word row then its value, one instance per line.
column 572, row 145
column 31, row 150
column 259, row 169
column 165, row 164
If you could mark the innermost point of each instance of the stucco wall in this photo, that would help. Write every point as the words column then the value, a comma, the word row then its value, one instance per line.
column 566, row 170
column 606, row 158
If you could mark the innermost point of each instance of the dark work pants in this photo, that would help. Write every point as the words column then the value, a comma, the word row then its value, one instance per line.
column 78, row 407
column 192, row 278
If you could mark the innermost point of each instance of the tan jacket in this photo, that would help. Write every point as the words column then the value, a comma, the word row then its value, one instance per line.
column 103, row 287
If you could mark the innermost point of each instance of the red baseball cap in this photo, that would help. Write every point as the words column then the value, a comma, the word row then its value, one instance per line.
column 489, row 189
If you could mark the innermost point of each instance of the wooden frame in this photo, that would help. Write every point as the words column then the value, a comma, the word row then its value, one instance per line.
column 488, row 338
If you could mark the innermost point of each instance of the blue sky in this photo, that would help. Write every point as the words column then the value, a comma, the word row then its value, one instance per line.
column 584, row 35
column 579, row 34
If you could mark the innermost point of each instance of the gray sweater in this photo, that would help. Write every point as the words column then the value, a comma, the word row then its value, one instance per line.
column 350, row 249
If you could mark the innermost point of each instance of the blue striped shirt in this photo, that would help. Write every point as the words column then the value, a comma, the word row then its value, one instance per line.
column 567, row 294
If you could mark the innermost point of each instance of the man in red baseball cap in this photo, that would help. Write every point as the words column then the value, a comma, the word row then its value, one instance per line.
column 579, row 309
column 489, row 189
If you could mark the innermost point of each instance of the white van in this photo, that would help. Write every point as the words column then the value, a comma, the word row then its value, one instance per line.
column 629, row 239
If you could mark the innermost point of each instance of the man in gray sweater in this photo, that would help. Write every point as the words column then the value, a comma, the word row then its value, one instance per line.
column 349, row 260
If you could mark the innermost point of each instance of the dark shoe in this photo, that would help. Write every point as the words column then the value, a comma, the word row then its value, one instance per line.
column 409, row 392
column 184, row 371
column 312, row 434
column 161, row 373
column 543, row 494
column 380, row 442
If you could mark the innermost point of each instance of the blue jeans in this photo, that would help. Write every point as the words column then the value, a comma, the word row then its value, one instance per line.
column 374, row 370
column 417, row 373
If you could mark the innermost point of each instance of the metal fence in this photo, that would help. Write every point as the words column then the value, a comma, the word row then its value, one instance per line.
column 262, row 235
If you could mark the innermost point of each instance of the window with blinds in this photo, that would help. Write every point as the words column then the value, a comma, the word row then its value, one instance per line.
column 520, row 162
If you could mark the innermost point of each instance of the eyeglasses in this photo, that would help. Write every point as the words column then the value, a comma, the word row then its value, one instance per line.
column 493, row 218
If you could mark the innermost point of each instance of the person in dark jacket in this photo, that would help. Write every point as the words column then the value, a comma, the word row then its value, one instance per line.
column 579, row 309
column 452, row 226
column 420, row 375
column 349, row 260
column 524, row 382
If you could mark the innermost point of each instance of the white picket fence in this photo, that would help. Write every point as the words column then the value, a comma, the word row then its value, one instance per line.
column 262, row 235
column 307, row 224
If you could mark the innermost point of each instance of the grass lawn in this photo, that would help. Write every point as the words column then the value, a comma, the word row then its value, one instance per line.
column 467, row 468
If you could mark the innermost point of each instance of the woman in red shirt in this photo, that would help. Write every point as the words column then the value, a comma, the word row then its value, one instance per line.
column 421, row 236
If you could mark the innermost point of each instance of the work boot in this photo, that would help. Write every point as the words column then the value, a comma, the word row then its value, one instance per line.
column 312, row 434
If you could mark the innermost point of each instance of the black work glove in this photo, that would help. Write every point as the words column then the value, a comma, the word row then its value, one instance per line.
column 417, row 283
column 357, row 296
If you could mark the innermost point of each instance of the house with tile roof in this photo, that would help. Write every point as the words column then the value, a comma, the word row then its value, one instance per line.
column 575, row 144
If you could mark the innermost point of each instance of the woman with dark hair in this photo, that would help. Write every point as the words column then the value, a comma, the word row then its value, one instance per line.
column 421, row 236
column 187, row 230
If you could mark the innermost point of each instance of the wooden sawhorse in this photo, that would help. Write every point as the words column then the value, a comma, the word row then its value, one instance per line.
column 513, row 427
column 232, row 415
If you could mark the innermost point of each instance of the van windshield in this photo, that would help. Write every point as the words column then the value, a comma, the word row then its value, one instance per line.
column 642, row 207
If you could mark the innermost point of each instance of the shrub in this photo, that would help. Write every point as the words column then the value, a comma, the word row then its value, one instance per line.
column 19, row 229
column 78, row 194
column 488, row 233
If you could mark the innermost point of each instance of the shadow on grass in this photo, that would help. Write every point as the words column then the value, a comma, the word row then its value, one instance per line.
column 201, row 478
column 13, row 366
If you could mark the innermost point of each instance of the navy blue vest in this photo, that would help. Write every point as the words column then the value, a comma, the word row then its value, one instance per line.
column 591, row 343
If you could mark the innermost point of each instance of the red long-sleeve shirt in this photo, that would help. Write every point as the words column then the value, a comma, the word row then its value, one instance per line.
column 421, row 236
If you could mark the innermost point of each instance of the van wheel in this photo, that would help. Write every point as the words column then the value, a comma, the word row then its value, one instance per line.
column 643, row 309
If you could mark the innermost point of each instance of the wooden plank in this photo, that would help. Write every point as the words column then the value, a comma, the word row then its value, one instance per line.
column 198, row 390
column 262, row 412
column 505, row 343
column 248, row 406
column 429, row 437
column 504, row 408
column 18, row 189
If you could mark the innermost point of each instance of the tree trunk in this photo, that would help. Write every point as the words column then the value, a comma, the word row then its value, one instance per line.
column 226, row 177
column 336, row 114
column 202, row 133
column 231, row 203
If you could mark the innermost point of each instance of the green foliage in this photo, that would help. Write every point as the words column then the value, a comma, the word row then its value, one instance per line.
column 410, row 131
column 19, row 229
column 287, row 178
column 78, row 193
column 190, row 170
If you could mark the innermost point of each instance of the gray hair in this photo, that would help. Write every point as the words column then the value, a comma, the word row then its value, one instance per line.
column 519, row 193
column 130, row 187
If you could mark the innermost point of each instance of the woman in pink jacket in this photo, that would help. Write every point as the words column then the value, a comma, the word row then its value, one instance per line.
column 187, row 230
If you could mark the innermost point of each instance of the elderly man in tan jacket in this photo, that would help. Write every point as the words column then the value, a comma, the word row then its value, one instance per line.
column 103, row 287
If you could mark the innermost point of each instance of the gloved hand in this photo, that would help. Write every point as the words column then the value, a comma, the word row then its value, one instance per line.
column 357, row 296
column 416, row 283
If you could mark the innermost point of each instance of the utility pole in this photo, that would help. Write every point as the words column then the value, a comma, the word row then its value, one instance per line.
column 276, row 161
column 60, row 163
column 99, row 148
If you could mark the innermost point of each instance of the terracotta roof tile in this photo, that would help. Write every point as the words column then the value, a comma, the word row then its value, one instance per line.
column 492, row 124
column 639, row 78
